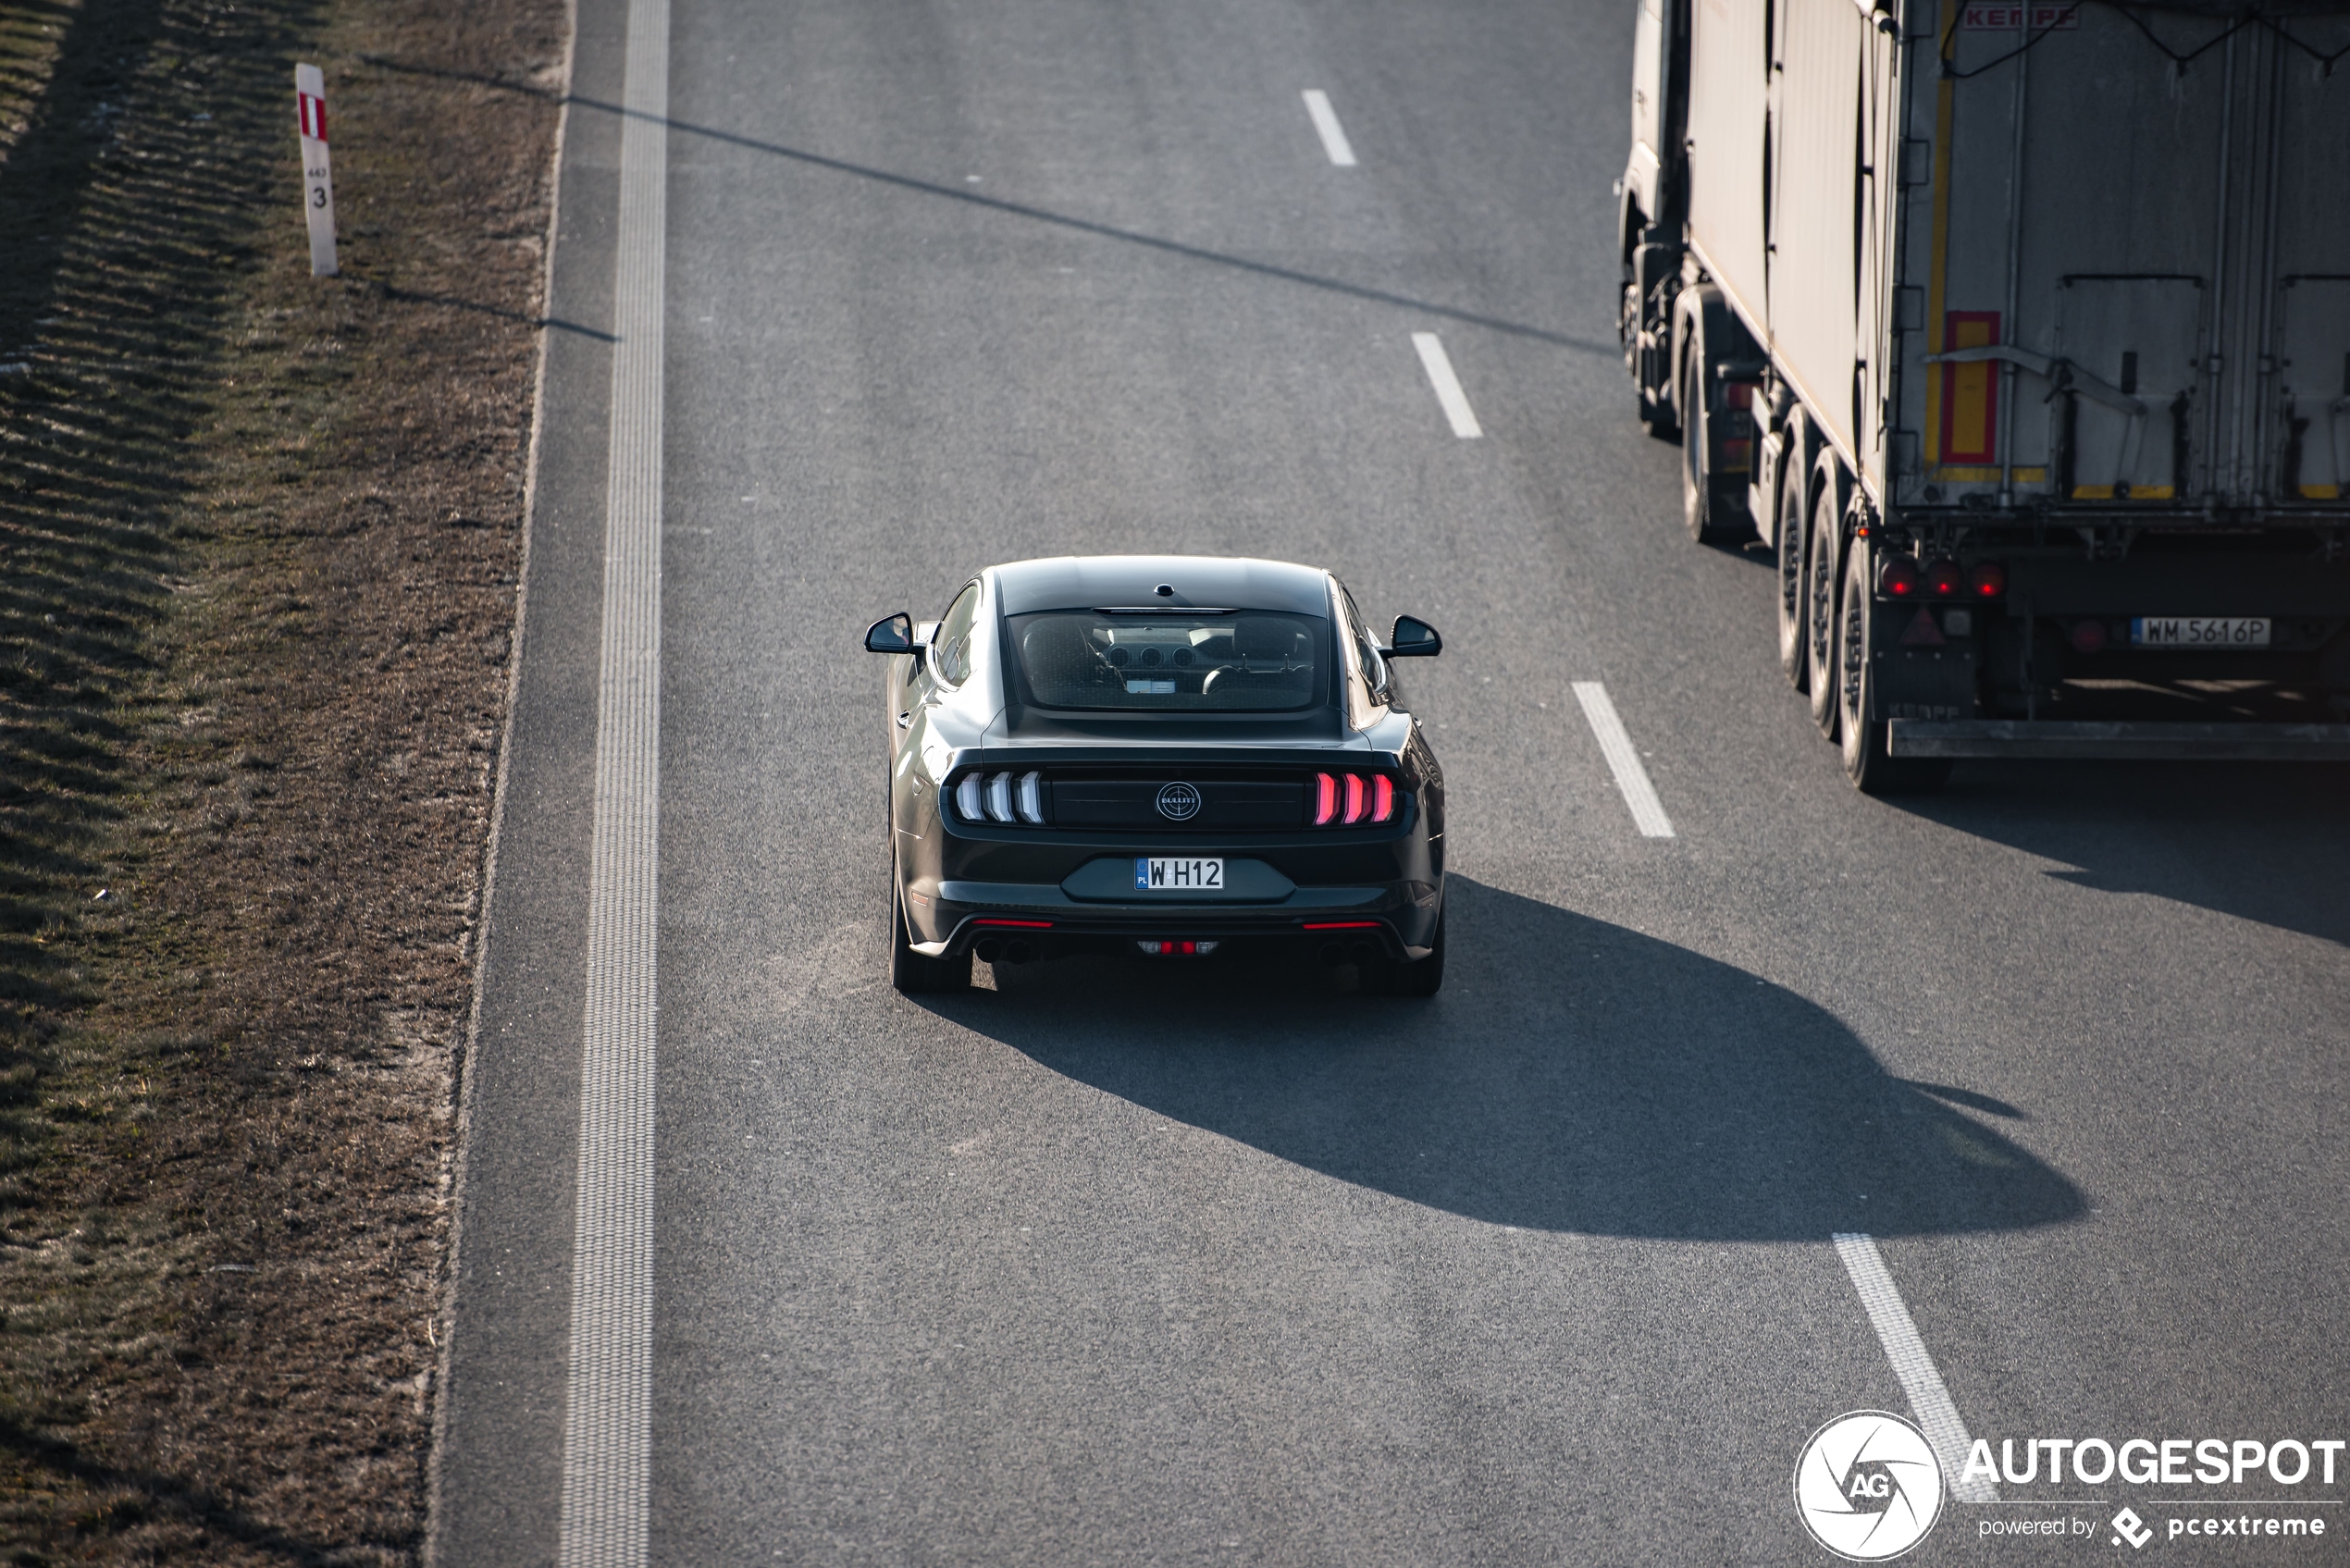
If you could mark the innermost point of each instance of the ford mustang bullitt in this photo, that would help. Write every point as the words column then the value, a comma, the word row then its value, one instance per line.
column 1166, row 756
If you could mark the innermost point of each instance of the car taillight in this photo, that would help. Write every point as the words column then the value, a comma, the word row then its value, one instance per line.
column 1344, row 800
column 1001, row 797
column 1988, row 580
column 1897, row 578
column 1944, row 580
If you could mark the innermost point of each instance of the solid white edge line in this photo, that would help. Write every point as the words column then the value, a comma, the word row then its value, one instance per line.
column 1449, row 395
column 607, row 1469
column 1624, row 761
column 1897, row 1332
column 1325, row 118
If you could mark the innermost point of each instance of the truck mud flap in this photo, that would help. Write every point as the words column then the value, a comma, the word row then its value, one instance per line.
column 2051, row 738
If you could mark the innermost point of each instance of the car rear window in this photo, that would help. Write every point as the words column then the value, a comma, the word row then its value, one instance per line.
column 1248, row 661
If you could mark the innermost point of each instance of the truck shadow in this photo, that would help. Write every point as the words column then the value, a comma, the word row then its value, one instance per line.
column 1573, row 1076
column 2263, row 842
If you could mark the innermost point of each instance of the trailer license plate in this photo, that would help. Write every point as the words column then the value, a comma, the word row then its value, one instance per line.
column 1176, row 875
column 2200, row 631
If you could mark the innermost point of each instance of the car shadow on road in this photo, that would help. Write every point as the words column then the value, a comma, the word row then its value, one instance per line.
column 1572, row 1076
column 2263, row 842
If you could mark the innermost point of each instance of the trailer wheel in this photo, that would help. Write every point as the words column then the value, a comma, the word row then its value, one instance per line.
column 1703, row 506
column 1872, row 769
column 1791, row 535
column 1819, row 605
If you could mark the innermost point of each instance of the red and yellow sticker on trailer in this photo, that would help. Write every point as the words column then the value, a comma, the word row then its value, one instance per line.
column 1970, row 392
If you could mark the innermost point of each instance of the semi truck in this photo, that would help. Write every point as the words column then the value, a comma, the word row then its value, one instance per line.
column 2018, row 335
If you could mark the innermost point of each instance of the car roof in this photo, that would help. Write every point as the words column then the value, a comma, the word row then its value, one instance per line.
column 1224, row 582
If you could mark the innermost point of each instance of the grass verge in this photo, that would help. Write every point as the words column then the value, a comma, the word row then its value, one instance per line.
column 259, row 537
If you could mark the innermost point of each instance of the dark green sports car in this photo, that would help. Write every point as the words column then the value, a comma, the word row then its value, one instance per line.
column 1167, row 756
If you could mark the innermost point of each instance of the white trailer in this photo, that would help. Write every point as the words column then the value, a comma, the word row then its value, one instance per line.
column 2021, row 334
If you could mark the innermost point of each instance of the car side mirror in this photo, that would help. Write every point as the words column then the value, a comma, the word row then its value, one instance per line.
column 891, row 634
column 1414, row 638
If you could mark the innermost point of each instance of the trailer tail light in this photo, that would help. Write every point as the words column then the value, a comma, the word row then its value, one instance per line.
column 1897, row 578
column 1737, row 394
column 2088, row 636
column 1988, row 580
column 1325, row 799
column 1944, row 580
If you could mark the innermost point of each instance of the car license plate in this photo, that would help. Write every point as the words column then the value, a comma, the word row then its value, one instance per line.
column 1178, row 875
column 2200, row 631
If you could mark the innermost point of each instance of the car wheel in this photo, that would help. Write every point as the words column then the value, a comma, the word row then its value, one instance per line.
column 915, row 974
column 1792, row 662
column 1819, row 611
column 1872, row 769
column 1417, row 977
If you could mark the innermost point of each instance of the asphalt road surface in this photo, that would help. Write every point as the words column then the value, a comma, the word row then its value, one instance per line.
column 1119, row 1264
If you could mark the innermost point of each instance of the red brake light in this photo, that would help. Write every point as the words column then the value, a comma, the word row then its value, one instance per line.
column 1988, row 580
column 1943, row 580
column 1353, row 797
column 1897, row 578
column 1020, row 925
column 1737, row 394
column 1382, row 797
column 1325, row 799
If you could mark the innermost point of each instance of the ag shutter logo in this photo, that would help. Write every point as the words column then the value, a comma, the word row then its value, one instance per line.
column 1178, row 802
column 1868, row 1485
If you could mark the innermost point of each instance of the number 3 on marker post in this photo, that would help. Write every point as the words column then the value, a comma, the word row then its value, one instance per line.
column 317, row 173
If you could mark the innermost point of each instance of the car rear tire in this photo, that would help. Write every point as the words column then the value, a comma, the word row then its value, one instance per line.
column 914, row 973
column 1417, row 977
column 1872, row 769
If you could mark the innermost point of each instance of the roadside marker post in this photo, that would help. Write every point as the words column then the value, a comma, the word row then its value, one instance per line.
column 318, row 174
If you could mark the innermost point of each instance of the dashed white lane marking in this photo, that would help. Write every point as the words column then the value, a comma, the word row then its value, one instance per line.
column 1317, row 105
column 1448, row 386
column 607, row 1474
column 1937, row 1417
column 1648, row 811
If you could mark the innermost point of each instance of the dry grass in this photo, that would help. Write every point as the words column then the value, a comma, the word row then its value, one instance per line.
column 258, row 543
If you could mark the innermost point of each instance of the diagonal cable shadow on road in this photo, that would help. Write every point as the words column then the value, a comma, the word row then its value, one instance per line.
column 1045, row 215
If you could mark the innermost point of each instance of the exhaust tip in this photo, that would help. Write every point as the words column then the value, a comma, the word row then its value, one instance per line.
column 1363, row 953
column 1332, row 954
column 1018, row 952
column 988, row 950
